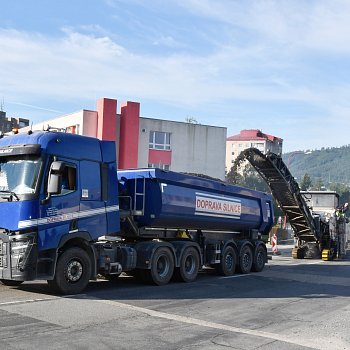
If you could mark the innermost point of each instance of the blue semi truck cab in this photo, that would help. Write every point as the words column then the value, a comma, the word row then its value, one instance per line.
column 68, row 216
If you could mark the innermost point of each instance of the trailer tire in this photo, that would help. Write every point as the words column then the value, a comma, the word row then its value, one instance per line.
column 11, row 283
column 227, row 266
column 189, row 266
column 245, row 259
column 73, row 272
column 259, row 259
column 162, row 267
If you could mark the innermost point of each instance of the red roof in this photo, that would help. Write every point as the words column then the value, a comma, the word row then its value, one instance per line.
column 254, row 134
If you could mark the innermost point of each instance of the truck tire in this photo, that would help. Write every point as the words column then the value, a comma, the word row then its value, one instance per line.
column 11, row 283
column 73, row 272
column 227, row 266
column 162, row 267
column 189, row 266
column 259, row 259
column 245, row 259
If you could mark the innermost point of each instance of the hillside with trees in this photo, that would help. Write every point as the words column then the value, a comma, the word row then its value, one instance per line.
column 328, row 165
column 325, row 169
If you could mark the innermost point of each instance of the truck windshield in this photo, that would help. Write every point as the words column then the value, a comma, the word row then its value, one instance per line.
column 19, row 175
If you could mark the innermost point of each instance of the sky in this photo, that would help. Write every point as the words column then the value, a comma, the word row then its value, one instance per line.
column 281, row 66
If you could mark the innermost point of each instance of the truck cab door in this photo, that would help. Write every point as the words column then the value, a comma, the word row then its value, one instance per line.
column 59, row 214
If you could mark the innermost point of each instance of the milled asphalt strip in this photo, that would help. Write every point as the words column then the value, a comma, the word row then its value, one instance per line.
column 223, row 327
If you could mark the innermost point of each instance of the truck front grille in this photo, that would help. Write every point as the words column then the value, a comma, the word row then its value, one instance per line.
column 3, row 254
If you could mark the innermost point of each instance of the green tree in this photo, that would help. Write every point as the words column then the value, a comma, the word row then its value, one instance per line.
column 318, row 186
column 243, row 174
column 306, row 182
column 342, row 190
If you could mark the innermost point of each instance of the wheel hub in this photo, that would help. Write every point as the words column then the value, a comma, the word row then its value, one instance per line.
column 260, row 259
column 74, row 271
column 162, row 266
column 229, row 261
column 189, row 265
column 246, row 260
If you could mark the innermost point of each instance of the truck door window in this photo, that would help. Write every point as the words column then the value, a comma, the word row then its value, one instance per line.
column 69, row 179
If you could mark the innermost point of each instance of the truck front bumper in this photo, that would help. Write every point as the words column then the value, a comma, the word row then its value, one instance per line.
column 18, row 256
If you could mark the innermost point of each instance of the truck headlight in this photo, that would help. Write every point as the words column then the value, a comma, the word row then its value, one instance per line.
column 19, row 247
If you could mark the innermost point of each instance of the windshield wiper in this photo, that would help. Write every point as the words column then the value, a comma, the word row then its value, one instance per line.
column 11, row 195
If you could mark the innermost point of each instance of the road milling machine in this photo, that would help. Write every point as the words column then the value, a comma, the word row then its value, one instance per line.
column 317, row 220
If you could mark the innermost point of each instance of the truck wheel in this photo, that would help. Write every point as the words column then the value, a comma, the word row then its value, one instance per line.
column 162, row 266
column 189, row 265
column 259, row 259
column 227, row 266
column 73, row 272
column 11, row 283
column 246, row 260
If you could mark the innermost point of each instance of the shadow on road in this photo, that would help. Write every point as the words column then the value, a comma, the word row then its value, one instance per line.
column 326, row 281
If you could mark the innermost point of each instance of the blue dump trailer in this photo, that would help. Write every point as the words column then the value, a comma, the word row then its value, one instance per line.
column 68, row 216
column 179, row 201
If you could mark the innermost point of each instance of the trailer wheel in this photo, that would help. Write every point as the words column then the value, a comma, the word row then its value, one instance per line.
column 73, row 272
column 227, row 266
column 246, row 260
column 189, row 265
column 11, row 283
column 162, row 267
column 259, row 259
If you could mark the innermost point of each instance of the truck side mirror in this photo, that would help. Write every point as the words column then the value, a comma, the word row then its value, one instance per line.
column 54, row 182
column 55, row 178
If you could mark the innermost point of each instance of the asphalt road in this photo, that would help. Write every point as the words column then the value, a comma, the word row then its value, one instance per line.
column 292, row 304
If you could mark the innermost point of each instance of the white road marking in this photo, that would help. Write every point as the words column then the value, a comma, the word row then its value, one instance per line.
column 194, row 321
column 27, row 301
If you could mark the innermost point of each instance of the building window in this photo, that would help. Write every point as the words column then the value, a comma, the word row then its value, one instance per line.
column 159, row 140
column 233, row 153
column 258, row 145
column 159, row 166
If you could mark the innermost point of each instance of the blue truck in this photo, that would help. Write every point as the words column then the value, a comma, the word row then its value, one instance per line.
column 68, row 216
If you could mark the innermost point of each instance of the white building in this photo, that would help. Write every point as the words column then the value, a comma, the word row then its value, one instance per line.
column 250, row 138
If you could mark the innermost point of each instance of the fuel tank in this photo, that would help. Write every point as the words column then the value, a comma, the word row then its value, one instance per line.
column 166, row 199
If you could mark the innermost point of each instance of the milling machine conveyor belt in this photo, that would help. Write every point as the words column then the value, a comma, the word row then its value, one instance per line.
column 285, row 190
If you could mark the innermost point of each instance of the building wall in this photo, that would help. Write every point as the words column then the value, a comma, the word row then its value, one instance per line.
column 195, row 148
column 73, row 123
column 235, row 147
